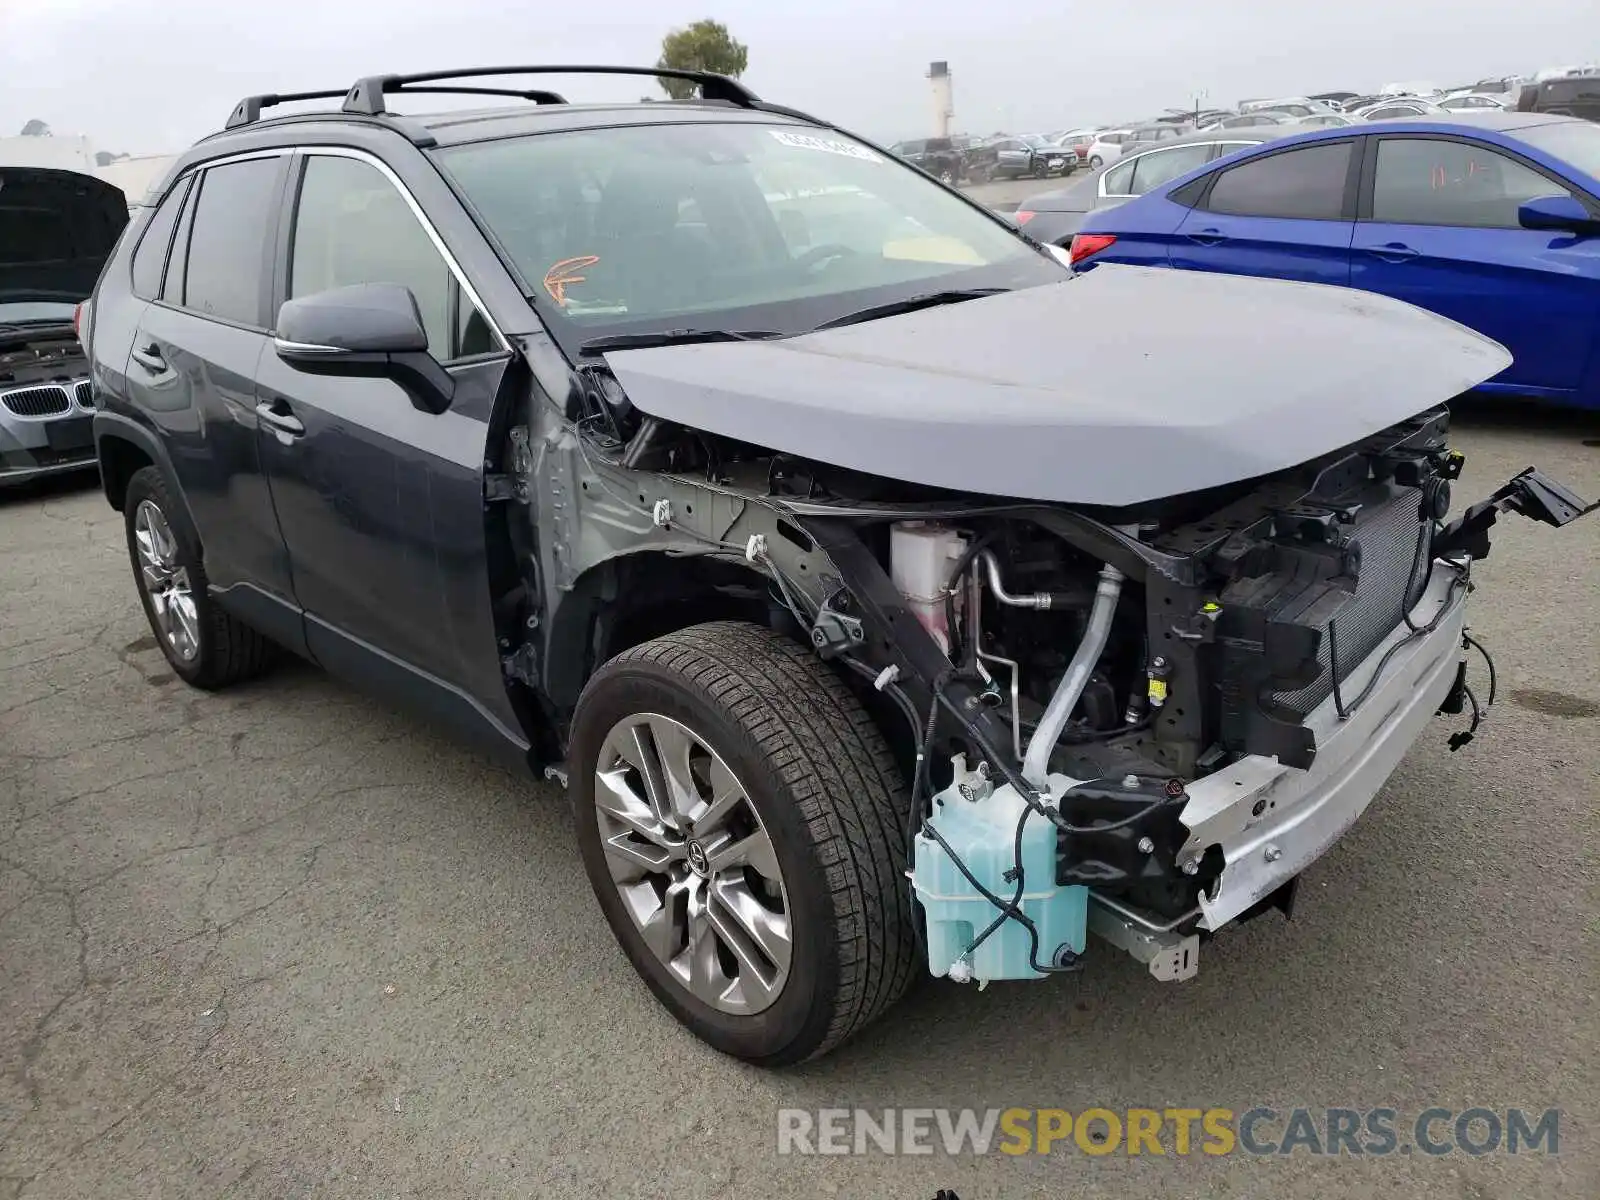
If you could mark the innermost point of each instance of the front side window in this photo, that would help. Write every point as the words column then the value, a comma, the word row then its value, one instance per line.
column 231, row 223
column 351, row 227
column 1428, row 181
column 733, row 225
column 1305, row 184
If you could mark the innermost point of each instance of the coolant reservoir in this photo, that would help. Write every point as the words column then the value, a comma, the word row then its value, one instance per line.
column 982, row 831
column 921, row 557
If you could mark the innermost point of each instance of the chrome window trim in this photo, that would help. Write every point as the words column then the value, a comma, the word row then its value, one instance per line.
column 450, row 261
column 467, row 290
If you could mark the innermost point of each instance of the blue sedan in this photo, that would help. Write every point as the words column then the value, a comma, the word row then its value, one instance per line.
column 1492, row 221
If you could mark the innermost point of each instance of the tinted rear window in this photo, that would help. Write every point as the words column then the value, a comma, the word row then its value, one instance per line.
column 1307, row 184
column 235, row 213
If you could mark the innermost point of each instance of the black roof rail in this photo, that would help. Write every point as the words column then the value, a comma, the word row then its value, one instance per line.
column 537, row 95
column 366, row 96
column 248, row 110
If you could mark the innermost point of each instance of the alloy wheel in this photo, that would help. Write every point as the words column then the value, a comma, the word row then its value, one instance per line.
column 693, row 863
column 166, row 582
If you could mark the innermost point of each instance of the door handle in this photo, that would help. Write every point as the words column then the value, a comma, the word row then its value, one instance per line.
column 283, row 422
column 1208, row 237
column 1393, row 252
column 150, row 358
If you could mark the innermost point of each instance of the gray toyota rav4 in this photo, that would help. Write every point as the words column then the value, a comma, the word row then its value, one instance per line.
column 709, row 460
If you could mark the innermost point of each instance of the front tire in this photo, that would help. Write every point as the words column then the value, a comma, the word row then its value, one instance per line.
column 740, row 818
column 204, row 645
column 1096, row 161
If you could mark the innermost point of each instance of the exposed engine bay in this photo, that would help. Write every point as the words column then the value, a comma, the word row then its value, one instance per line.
column 1101, row 711
column 41, row 355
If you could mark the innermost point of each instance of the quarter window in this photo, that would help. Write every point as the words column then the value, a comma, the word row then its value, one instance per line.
column 1425, row 181
column 150, row 259
column 178, row 260
column 1119, row 180
column 231, row 226
column 1307, row 184
column 1153, row 170
column 351, row 227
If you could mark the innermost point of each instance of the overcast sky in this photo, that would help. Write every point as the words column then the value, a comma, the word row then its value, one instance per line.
column 147, row 76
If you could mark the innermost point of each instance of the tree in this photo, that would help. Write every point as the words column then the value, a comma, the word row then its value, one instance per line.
column 704, row 46
column 36, row 128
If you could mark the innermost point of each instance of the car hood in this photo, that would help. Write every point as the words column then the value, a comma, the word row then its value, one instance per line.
column 57, row 228
column 1121, row 386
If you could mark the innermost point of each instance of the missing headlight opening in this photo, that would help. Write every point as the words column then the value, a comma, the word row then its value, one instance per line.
column 1113, row 748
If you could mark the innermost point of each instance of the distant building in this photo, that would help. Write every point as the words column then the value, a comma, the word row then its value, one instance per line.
column 57, row 153
column 135, row 175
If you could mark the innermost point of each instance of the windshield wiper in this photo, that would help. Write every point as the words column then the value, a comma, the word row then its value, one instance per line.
column 671, row 337
column 911, row 304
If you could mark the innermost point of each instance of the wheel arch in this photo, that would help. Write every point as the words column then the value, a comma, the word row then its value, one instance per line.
column 124, row 447
column 634, row 597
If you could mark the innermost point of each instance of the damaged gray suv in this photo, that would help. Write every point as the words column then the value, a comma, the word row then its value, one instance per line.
column 706, row 458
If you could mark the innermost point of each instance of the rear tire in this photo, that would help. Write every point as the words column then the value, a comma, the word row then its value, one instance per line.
column 767, row 722
column 205, row 646
column 1096, row 161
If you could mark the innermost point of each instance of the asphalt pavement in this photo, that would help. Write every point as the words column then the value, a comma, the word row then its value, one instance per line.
column 284, row 941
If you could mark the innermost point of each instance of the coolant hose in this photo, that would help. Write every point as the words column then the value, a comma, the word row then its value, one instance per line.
column 1035, row 763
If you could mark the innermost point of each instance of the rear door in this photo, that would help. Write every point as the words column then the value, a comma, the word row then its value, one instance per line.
column 382, row 504
column 1145, row 237
column 1287, row 214
column 1439, row 229
column 192, row 373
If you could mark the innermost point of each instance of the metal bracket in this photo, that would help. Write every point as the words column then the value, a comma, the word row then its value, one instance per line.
column 833, row 632
column 1531, row 493
column 1172, row 957
column 522, row 665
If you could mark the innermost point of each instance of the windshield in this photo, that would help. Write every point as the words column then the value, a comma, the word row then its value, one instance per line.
column 1574, row 142
column 731, row 225
column 25, row 312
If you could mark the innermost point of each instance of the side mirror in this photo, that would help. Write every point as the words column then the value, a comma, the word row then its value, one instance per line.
column 373, row 330
column 1561, row 213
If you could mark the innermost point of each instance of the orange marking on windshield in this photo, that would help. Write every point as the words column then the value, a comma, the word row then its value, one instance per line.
column 561, row 275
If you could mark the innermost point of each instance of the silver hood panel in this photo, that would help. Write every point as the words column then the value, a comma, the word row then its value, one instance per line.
column 1120, row 386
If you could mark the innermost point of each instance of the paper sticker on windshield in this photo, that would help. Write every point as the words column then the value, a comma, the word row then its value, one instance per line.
column 810, row 141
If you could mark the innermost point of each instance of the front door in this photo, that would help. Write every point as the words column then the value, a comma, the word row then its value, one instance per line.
column 1441, row 232
column 382, row 503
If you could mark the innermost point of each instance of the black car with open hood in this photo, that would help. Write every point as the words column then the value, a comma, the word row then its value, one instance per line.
column 57, row 230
